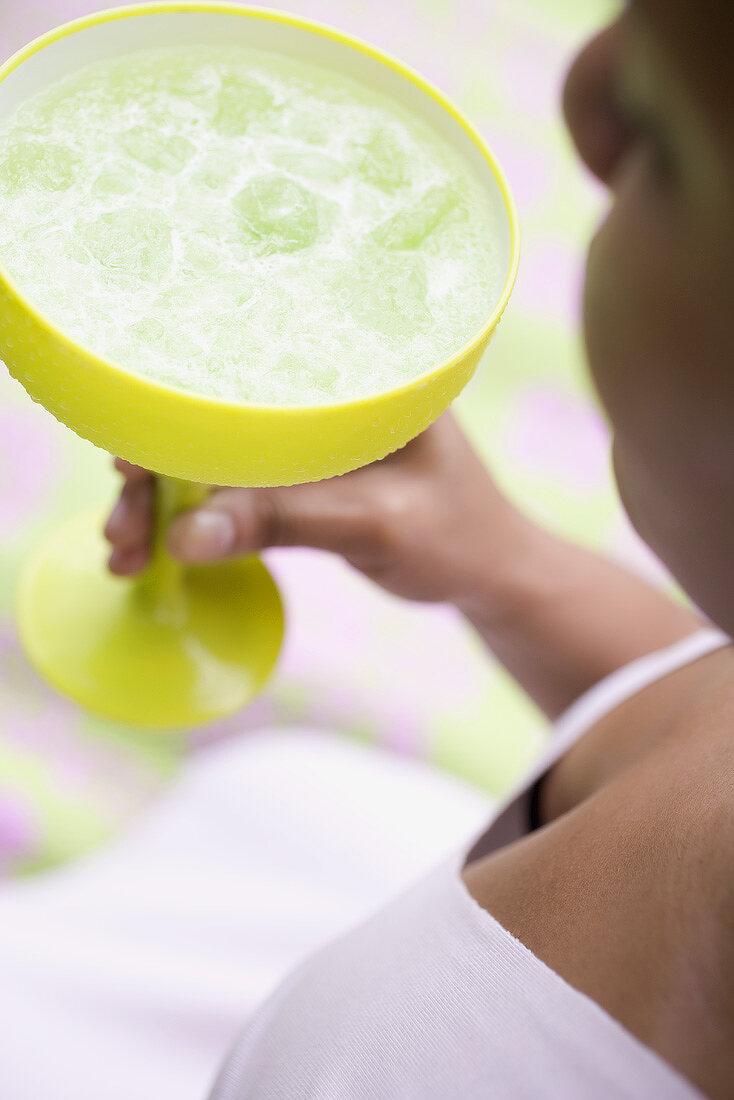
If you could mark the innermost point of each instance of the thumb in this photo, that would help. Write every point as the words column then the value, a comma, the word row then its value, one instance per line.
column 327, row 515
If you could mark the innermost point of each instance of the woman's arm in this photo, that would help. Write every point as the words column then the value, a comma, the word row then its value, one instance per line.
column 429, row 523
column 566, row 618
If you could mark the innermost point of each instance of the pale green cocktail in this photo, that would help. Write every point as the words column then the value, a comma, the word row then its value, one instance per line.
column 245, row 226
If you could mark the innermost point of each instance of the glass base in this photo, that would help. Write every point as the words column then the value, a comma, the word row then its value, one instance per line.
column 163, row 655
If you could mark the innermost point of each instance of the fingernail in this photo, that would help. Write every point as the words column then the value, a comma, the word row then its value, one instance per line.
column 201, row 535
column 116, row 519
column 113, row 562
column 126, row 563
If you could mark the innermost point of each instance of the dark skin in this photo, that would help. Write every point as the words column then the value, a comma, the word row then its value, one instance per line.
column 627, row 890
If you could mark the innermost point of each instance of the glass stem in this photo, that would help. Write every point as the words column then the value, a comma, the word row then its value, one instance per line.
column 160, row 587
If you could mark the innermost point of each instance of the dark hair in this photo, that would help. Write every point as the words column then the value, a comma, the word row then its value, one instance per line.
column 700, row 36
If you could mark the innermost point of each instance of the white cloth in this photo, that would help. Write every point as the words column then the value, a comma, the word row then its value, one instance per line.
column 129, row 973
column 432, row 999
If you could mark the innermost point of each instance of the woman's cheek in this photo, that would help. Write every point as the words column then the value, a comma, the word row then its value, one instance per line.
column 600, row 311
column 627, row 339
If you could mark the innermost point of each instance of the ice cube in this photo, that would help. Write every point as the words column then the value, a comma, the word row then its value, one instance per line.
column 204, row 300
column 134, row 241
column 148, row 330
column 161, row 152
column 300, row 375
column 35, row 165
column 215, row 172
column 116, row 180
column 410, row 227
column 385, row 163
column 278, row 212
column 201, row 254
column 388, row 293
column 241, row 100
column 312, row 165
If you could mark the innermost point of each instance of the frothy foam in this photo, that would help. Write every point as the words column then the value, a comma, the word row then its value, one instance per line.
column 245, row 226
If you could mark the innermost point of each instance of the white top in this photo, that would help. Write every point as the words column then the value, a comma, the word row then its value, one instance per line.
column 432, row 998
column 130, row 973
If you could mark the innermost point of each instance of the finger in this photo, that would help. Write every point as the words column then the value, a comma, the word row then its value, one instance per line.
column 131, row 521
column 131, row 472
column 439, row 436
column 329, row 515
column 125, row 563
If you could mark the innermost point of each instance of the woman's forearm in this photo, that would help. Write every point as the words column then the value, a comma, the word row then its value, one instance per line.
column 430, row 523
column 560, row 618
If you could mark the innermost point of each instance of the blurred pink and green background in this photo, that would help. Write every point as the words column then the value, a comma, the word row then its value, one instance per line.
column 413, row 679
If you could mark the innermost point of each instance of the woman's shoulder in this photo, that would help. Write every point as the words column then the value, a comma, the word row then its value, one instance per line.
column 629, row 895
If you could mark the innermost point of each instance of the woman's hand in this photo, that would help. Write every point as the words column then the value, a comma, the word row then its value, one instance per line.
column 426, row 523
column 429, row 523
